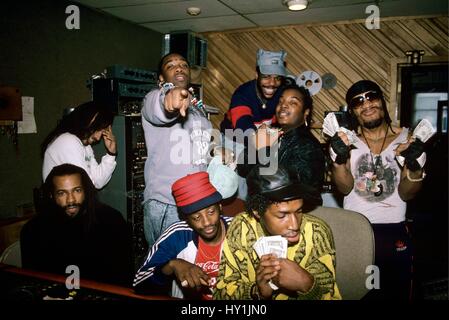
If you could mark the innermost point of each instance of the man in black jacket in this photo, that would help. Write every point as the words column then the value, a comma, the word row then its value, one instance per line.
column 74, row 229
column 296, row 147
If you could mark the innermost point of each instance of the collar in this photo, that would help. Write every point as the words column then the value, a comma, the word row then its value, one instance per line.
column 301, row 130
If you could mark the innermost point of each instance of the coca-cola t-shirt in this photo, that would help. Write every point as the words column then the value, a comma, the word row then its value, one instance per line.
column 208, row 259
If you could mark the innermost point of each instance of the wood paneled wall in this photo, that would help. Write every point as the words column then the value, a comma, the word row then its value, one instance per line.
column 348, row 50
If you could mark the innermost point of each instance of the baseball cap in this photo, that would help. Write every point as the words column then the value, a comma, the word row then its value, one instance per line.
column 272, row 62
column 194, row 192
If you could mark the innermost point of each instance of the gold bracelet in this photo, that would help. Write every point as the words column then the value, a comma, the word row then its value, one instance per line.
column 415, row 180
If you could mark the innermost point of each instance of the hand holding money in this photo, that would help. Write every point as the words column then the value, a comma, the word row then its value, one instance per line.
column 339, row 150
column 414, row 155
column 267, row 269
column 424, row 131
column 341, row 139
column 331, row 127
column 414, row 151
column 275, row 245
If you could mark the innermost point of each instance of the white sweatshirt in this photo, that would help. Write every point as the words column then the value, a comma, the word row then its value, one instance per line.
column 68, row 148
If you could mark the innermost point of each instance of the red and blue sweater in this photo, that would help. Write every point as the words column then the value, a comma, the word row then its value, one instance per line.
column 246, row 110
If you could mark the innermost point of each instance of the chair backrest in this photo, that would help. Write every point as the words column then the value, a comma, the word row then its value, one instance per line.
column 354, row 245
column 12, row 255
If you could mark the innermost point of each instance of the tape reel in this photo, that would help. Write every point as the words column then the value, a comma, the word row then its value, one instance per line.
column 329, row 81
column 310, row 80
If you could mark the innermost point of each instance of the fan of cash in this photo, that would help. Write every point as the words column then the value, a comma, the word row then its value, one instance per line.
column 331, row 127
column 276, row 245
column 423, row 131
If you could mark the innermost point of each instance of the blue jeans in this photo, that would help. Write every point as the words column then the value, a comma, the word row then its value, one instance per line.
column 157, row 216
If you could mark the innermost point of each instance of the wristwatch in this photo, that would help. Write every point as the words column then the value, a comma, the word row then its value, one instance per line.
column 254, row 292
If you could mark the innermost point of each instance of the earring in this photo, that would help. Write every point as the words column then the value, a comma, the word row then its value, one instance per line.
column 305, row 122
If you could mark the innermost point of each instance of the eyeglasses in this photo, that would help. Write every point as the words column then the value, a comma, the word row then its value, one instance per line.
column 358, row 101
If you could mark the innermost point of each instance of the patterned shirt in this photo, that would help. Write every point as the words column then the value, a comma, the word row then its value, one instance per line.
column 315, row 252
column 386, row 207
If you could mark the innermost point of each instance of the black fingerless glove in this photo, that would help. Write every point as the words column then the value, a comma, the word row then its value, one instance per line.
column 340, row 148
column 413, row 152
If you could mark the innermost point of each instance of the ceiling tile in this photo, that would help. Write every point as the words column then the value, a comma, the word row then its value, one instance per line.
column 308, row 16
column 122, row 3
column 169, row 11
column 251, row 6
column 260, row 6
column 220, row 15
column 392, row 8
column 201, row 24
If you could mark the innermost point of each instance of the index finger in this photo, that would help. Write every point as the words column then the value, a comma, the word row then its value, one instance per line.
column 183, row 110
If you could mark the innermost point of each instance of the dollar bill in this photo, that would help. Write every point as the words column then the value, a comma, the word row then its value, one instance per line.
column 259, row 247
column 330, row 124
column 421, row 160
column 273, row 286
column 424, row 130
column 350, row 134
column 274, row 244
column 331, row 127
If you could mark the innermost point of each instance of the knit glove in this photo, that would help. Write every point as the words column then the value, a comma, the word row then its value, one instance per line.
column 414, row 155
column 339, row 151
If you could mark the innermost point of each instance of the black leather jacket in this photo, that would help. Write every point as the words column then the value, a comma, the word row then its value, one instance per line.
column 298, row 149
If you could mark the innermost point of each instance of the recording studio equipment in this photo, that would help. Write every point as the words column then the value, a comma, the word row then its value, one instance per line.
column 124, row 191
column 28, row 286
column 131, row 74
column 124, row 98
column 186, row 43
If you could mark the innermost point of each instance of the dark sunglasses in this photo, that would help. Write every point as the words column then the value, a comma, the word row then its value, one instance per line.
column 358, row 101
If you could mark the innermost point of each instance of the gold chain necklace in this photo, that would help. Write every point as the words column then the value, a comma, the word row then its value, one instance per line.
column 216, row 254
column 378, row 187
column 262, row 101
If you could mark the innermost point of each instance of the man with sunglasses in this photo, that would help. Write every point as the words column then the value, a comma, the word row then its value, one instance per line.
column 377, row 186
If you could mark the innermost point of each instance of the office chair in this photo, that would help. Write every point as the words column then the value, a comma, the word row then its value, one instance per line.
column 12, row 255
column 354, row 245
